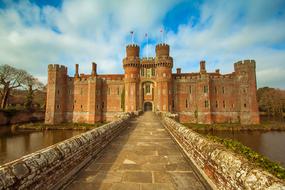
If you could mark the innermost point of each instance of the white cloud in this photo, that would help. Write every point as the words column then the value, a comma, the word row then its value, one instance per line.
column 84, row 31
column 232, row 31
column 78, row 32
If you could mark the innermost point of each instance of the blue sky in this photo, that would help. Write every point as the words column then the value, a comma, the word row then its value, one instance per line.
column 36, row 33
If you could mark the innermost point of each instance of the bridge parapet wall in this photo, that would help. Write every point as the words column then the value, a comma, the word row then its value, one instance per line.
column 52, row 167
column 222, row 168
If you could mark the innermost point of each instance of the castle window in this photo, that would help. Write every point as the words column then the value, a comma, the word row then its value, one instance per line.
column 118, row 91
column 223, row 90
column 172, row 104
column 152, row 72
column 142, row 71
column 57, row 106
column 205, row 89
column 217, row 104
column 81, row 106
column 72, row 106
column 233, row 105
column 148, row 72
column 244, row 105
column 147, row 89
column 103, row 105
column 57, row 91
column 224, row 104
column 190, row 89
column 186, row 103
column 206, row 103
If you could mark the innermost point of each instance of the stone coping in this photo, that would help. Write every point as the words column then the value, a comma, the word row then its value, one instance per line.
column 53, row 166
column 222, row 168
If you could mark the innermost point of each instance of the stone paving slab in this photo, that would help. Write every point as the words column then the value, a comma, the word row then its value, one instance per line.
column 143, row 157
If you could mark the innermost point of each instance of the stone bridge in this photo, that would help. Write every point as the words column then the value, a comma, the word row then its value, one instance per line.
column 143, row 157
column 144, row 152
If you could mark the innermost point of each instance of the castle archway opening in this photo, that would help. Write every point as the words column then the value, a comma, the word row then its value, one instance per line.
column 148, row 106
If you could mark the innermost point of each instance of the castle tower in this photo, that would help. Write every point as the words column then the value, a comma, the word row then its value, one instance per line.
column 94, row 112
column 131, row 64
column 247, row 99
column 164, row 64
column 203, row 102
column 56, row 94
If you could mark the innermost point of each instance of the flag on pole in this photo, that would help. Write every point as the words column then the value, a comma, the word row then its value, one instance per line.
column 146, row 44
column 132, row 36
column 161, row 35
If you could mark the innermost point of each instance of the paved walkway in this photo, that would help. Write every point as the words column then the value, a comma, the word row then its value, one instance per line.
column 143, row 157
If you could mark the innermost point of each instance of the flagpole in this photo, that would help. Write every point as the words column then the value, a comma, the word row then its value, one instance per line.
column 161, row 35
column 146, row 45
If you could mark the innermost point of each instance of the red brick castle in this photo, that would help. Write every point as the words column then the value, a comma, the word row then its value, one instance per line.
column 149, row 84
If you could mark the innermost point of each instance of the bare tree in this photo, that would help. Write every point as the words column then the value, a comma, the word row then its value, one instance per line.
column 31, row 84
column 10, row 78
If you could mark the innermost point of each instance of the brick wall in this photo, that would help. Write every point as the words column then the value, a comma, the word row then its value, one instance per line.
column 222, row 168
column 51, row 167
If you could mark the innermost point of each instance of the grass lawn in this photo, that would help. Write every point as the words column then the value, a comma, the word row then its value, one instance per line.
column 65, row 126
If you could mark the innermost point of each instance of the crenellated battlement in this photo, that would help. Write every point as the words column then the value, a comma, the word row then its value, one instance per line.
column 133, row 50
column 244, row 63
column 164, row 62
column 131, row 62
column 57, row 67
column 162, row 50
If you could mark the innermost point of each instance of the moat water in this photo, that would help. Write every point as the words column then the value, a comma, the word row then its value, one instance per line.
column 270, row 143
column 17, row 143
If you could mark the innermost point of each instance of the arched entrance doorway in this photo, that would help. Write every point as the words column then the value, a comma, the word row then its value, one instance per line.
column 147, row 106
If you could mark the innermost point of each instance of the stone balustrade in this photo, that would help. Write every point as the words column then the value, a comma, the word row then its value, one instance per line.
column 52, row 167
column 222, row 168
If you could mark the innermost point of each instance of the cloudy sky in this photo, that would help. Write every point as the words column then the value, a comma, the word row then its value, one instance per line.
column 36, row 33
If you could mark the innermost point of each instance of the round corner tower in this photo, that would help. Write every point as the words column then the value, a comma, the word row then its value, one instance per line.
column 164, row 64
column 131, row 64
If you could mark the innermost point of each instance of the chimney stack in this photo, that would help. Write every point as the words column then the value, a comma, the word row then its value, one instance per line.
column 202, row 66
column 178, row 70
column 76, row 70
column 94, row 69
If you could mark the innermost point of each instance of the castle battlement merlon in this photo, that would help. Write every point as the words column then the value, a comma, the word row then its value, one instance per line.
column 162, row 50
column 245, row 62
column 57, row 67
